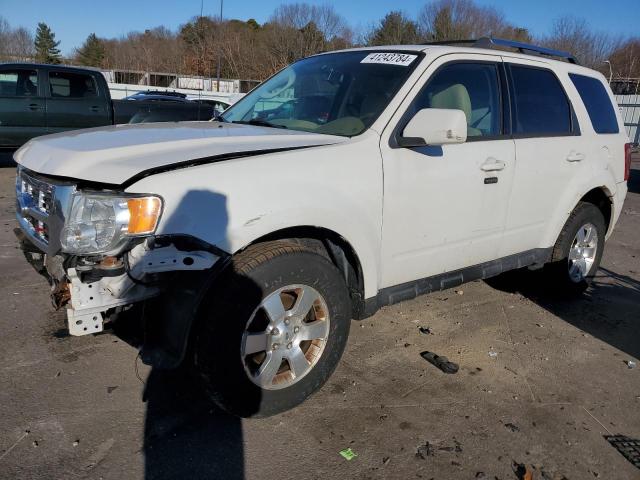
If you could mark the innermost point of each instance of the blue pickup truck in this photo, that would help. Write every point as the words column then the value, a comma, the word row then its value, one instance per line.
column 38, row 99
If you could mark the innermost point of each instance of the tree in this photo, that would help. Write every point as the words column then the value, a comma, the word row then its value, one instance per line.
column 15, row 43
column 394, row 29
column 92, row 52
column 573, row 35
column 464, row 20
column 47, row 50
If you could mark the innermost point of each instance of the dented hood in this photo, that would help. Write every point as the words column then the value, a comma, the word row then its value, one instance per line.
column 115, row 154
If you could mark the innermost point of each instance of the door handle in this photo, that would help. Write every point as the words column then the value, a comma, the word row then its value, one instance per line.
column 575, row 156
column 34, row 106
column 492, row 165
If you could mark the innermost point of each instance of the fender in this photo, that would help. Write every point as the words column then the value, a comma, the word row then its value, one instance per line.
column 570, row 199
column 232, row 204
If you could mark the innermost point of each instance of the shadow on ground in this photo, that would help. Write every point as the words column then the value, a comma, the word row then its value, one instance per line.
column 609, row 310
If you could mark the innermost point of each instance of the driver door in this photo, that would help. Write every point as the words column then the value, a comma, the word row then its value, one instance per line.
column 445, row 207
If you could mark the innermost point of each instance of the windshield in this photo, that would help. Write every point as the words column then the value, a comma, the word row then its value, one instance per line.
column 337, row 94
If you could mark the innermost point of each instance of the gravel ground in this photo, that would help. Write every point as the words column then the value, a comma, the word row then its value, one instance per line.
column 556, row 384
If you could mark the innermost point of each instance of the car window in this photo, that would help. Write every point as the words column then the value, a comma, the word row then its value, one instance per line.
column 72, row 85
column 539, row 104
column 470, row 87
column 596, row 101
column 19, row 83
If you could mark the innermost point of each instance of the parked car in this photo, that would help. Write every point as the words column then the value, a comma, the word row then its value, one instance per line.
column 218, row 105
column 348, row 181
column 40, row 99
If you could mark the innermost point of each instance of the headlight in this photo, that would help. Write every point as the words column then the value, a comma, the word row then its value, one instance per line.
column 101, row 223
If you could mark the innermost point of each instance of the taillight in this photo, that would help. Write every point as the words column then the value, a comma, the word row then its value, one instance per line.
column 627, row 161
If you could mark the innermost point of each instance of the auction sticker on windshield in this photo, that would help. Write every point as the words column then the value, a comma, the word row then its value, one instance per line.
column 401, row 59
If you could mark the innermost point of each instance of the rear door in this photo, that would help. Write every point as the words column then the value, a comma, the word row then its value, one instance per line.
column 552, row 160
column 74, row 100
column 22, row 106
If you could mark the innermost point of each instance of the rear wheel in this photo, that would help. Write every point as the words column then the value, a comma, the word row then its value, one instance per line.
column 273, row 330
column 577, row 253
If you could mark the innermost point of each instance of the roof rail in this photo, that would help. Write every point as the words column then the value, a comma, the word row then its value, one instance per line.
column 527, row 48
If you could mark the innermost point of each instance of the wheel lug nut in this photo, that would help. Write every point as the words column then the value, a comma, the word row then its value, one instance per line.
column 286, row 321
column 275, row 331
column 296, row 329
column 289, row 345
column 275, row 346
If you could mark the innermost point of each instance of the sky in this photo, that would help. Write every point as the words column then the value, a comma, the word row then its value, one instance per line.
column 73, row 20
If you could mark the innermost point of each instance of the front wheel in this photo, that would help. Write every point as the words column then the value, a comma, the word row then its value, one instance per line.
column 577, row 253
column 273, row 330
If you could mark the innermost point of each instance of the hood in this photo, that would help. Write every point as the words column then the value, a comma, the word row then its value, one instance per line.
column 115, row 154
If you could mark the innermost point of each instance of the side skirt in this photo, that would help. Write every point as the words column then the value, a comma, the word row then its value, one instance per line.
column 410, row 290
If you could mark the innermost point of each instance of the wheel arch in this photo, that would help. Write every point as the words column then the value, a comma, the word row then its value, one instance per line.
column 334, row 247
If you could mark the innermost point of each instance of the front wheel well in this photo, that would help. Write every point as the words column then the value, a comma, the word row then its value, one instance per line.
column 600, row 199
column 334, row 247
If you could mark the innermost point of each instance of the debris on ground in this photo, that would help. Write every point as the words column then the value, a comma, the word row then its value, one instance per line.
column 76, row 443
column 425, row 330
column 522, row 471
column 35, row 443
column 628, row 447
column 510, row 426
column 460, row 292
column 111, row 389
column 493, row 354
column 348, row 454
column 424, row 451
column 631, row 364
column 386, row 460
column 440, row 362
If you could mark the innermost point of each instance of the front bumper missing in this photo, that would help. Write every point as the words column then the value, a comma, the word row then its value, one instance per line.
column 90, row 302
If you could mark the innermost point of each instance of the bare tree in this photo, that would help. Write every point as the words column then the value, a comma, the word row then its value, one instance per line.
column 463, row 20
column 574, row 35
column 15, row 43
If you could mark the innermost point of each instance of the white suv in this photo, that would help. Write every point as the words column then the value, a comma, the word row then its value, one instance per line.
column 347, row 181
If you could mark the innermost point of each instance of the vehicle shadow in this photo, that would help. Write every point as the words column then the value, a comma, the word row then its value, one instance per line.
column 609, row 310
column 186, row 436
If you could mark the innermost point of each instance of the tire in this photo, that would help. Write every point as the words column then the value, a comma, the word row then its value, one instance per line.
column 235, row 318
column 559, row 271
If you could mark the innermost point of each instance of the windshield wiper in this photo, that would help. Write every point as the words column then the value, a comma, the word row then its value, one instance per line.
column 259, row 123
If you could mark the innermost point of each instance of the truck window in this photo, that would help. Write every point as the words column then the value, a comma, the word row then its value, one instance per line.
column 19, row 83
column 72, row 85
column 597, row 102
column 539, row 104
column 470, row 87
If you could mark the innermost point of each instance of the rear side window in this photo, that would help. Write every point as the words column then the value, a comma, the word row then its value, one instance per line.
column 597, row 102
column 539, row 104
column 72, row 85
column 18, row 83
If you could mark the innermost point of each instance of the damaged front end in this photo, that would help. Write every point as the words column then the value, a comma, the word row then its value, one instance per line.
column 99, row 250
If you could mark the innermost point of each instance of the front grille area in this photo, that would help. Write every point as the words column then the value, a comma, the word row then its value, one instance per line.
column 35, row 204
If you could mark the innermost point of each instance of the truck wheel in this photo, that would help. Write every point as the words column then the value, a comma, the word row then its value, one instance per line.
column 577, row 253
column 273, row 329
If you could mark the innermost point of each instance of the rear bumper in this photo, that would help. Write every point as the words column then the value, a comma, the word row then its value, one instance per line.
column 617, row 204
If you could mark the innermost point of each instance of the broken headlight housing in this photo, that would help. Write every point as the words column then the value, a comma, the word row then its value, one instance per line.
column 101, row 223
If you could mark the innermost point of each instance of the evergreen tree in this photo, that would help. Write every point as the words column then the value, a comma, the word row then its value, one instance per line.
column 47, row 50
column 395, row 29
column 92, row 52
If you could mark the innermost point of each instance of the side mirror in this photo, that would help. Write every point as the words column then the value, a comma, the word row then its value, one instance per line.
column 434, row 126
